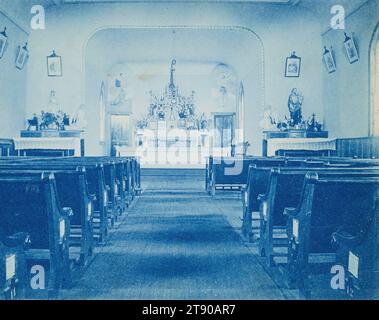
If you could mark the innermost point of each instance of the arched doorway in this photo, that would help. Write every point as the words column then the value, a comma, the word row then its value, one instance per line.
column 149, row 72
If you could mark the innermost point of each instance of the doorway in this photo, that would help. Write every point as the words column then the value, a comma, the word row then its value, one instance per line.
column 224, row 126
column 120, row 132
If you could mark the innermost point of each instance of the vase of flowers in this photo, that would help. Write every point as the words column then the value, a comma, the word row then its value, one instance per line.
column 49, row 121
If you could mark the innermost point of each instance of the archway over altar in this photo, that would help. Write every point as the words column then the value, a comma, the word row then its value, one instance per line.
column 211, row 81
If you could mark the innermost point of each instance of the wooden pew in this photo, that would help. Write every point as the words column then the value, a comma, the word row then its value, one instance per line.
column 94, row 181
column 122, row 175
column 29, row 204
column 358, row 253
column 284, row 190
column 116, row 170
column 228, row 174
column 133, row 170
column 137, row 173
column 72, row 192
column 13, row 272
column 328, row 203
column 257, row 182
column 208, row 173
column 114, row 205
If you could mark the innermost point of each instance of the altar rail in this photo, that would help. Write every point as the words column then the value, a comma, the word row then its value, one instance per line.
column 366, row 147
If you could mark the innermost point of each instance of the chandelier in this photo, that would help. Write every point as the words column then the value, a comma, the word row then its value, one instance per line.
column 177, row 110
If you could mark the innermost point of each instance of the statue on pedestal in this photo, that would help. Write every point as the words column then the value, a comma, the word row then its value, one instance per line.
column 79, row 121
column 295, row 102
column 52, row 105
column 119, row 96
column 268, row 121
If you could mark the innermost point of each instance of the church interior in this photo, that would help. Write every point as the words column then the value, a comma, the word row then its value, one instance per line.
column 189, row 150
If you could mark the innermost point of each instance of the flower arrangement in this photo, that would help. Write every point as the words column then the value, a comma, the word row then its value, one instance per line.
column 282, row 125
column 50, row 120
column 313, row 125
column 161, row 112
column 310, row 125
column 141, row 124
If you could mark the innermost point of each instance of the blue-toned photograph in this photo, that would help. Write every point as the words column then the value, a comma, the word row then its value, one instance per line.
column 189, row 151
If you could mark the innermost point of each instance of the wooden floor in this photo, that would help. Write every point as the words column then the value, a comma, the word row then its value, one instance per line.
column 176, row 243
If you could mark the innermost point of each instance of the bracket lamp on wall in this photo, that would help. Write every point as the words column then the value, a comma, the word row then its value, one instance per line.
column 3, row 41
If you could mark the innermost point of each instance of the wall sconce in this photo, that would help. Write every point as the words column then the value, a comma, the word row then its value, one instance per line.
column 3, row 41
column 22, row 56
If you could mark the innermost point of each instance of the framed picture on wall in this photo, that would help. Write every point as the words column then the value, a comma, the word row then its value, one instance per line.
column 3, row 42
column 293, row 66
column 54, row 65
column 329, row 61
column 22, row 56
column 351, row 49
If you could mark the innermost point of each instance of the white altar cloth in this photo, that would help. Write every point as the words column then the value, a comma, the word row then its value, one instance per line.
column 309, row 144
column 48, row 144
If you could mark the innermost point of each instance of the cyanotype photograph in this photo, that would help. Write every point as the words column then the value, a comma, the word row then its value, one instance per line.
column 206, row 152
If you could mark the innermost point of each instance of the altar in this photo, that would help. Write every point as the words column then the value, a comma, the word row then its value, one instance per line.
column 286, row 145
column 171, row 132
column 291, row 140
column 56, row 145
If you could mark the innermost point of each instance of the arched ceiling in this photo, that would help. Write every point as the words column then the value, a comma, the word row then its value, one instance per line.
column 160, row 45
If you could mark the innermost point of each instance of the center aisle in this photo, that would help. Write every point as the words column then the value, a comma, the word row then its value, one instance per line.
column 174, row 245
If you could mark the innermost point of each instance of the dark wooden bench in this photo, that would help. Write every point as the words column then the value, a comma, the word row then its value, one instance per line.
column 116, row 171
column 284, row 190
column 357, row 250
column 122, row 175
column 13, row 272
column 228, row 174
column 30, row 204
column 208, row 173
column 72, row 192
column 115, row 202
column 136, row 166
column 257, row 182
column 327, row 204
column 114, row 205
column 95, row 182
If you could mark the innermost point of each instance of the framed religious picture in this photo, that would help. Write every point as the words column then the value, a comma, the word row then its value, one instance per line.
column 22, row 56
column 351, row 49
column 329, row 61
column 3, row 42
column 54, row 65
column 293, row 65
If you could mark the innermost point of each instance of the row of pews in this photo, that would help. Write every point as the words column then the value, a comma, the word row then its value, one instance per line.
column 53, row 212
column 310, row 217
